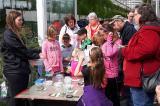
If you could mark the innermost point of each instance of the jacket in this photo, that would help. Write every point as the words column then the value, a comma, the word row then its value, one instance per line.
column 143, row 48
column 15, row 54
column 111, row 52
column 127, row 32
column 52, row 56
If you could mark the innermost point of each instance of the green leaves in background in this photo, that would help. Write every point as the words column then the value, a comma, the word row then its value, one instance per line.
column 103, row 8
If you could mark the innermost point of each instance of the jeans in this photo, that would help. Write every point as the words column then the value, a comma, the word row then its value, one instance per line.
column 141, row 98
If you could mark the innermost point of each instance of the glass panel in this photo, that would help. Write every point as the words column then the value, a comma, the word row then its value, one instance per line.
column 57, row 9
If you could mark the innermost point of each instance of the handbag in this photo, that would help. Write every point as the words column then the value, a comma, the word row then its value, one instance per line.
column 149, row 82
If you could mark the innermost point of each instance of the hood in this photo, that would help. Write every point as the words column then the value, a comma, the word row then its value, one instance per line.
column 153, row 27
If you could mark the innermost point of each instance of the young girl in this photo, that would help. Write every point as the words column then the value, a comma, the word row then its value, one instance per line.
column 51, row 52
column 74, row 61
column 94, row 82
column 109, row 43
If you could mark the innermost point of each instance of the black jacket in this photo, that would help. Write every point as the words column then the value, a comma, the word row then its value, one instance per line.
column 15, row 54
column 127, row 32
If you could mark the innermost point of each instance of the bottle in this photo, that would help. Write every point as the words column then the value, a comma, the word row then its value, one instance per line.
column 3, row 90
column 48, row 75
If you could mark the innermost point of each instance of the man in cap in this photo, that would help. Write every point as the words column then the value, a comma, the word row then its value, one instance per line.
column 126, row 31
column 124, row 27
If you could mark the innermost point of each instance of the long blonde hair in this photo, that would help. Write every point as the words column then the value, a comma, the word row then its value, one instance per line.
column 51, row 30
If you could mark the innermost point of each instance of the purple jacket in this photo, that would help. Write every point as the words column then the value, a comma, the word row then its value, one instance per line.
column 110, row 52
column 93, row 97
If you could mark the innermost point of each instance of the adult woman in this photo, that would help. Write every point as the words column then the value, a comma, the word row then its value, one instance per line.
column 71, row 28
column 143, row 51
column 15, row 56
column 94, row 79
column 93, row 25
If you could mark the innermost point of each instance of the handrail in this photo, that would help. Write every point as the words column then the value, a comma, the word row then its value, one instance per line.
column 122, row 5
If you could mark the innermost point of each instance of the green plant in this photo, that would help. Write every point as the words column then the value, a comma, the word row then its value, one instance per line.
column 147, row 1
column 103, row 8
column 30, row 37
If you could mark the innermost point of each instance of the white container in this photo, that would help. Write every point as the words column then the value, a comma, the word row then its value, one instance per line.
column 3, row 90
column 68, row 80
column 59, row 78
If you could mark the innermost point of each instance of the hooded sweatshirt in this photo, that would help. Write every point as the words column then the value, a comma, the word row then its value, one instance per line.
column 143, row 51
column 52, row 56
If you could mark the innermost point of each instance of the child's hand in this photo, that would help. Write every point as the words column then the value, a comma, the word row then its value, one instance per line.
column 122, row 46
column 67, row 59
column 110, row 36
column 53, row 66
column 68, row 69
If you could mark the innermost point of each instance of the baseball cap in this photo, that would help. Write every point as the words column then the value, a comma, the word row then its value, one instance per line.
column 117, row 17
column 92, row 15
column 81, row 31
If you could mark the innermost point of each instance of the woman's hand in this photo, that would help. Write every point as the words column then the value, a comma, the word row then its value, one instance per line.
column 158, row 93
column 32, row 62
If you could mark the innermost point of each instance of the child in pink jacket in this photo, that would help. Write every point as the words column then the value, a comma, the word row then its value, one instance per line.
column 51, row 52
column 109, row 44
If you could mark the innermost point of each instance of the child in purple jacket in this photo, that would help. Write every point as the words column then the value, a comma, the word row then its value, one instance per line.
column 94, row 79
column 51, row 52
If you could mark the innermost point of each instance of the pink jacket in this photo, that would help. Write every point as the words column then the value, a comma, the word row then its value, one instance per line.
column 111, row 52
column 52, row 56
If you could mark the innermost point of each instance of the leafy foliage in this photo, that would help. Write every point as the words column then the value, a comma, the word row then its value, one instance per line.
column 30, row 38
column 147, row 1
column 103, row 8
